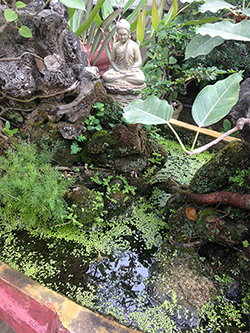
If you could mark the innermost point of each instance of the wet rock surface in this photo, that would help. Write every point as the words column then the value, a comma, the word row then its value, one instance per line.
column 181, row 279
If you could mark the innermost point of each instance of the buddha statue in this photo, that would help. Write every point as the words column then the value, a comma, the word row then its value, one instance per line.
column 126, row 74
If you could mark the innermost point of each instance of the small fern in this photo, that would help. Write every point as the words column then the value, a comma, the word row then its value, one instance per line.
column 32, row 190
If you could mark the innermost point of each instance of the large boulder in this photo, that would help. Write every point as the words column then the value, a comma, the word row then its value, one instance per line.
column 242, row 108
column 48, row 73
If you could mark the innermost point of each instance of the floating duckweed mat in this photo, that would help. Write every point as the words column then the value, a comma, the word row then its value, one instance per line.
column 179, row 166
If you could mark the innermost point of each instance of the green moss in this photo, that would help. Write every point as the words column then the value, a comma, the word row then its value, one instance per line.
column 180, row 166
column 223, row 165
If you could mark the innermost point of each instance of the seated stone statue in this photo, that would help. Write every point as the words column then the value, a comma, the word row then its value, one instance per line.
column 125, row 74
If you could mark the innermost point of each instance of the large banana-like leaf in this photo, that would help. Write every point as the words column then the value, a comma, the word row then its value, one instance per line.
column 227, row 30
column 150, row 111
column 215, row 101
column 214, row 5
column 201, row 45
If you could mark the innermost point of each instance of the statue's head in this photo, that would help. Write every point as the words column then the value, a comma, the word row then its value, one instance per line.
column 123, row 30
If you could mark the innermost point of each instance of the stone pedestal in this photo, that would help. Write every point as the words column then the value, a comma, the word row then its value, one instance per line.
column 124, row 100
column 124, row 94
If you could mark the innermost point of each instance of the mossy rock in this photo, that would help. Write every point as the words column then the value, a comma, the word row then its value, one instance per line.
column 181, row 278
column 89, row 205
column 210, row 225
column 215, row 174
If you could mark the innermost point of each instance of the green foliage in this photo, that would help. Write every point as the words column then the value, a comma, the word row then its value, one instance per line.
column 7, row 131
column 165, row 77
column 30, row 190
column 12, row 16
column 213, row 34
column 215, row 101
column 112, row 186
column 227, row 126
column 149, row 111
column 245, row 243
column 179, row 167
column 93, row 123
column 240, row 181
column 212, row 104
column 74, row 148
column 219, row 316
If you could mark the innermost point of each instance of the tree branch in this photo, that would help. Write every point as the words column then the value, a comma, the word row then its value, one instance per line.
column 239, row 126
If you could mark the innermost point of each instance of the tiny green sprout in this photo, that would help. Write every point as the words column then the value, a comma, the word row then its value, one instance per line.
column 7, row 131
column 74, row 148
column 245, row 243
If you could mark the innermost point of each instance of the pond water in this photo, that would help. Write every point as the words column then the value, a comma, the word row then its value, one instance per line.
column 106, row 268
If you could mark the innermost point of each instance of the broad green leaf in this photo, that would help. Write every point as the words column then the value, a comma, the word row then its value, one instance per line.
column 10, row 15
column 134, row 23
column 227, row 30
column 20, row 4
column 144, row 15
column 90, row 18
column 78, row 4
column 25, row 31
column 150, row 111
column 214, row 5
column 246, row 11
column 140, row 28
column 201, row 45
column 175, row 4
column 155, row 17
column 215, row 101
column 71, row 12
column 210, row 19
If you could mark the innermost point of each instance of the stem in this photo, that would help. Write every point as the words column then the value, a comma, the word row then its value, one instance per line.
column 72, row 87
column 212, row 143
column 177, row 136
column 19, row 58
column 195, row 139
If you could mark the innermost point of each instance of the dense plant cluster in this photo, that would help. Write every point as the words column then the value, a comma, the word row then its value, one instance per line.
column 32, row 190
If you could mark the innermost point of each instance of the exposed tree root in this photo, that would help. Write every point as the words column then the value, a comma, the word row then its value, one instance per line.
column 217, row 198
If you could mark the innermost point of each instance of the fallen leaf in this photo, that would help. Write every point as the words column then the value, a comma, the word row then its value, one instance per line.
column 191, row 213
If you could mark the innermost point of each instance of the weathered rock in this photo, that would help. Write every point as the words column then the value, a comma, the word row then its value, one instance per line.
column 88, row 205
column 242, row 108
column 125, row 149
column 71, row 131
column 49, row 71
column 215, row 175
column 210, row 225
column 180, row 279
